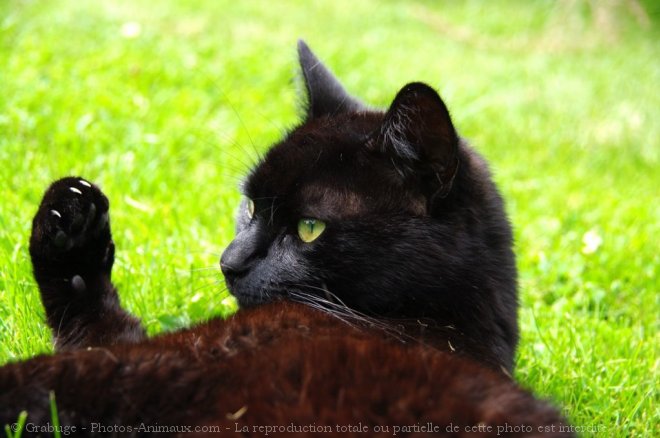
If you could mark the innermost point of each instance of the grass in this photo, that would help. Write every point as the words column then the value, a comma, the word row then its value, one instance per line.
column 166, row 104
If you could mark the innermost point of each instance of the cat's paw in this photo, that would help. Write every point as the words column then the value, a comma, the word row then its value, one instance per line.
column 71, row 230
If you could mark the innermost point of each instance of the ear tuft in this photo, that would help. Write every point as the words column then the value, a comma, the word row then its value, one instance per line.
column 325, row 95
column 417, row 131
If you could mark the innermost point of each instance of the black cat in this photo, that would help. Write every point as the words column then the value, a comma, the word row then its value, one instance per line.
column 374, row 269
column 414, row 228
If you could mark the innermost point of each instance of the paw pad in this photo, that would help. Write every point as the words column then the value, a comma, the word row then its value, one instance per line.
column 76, row 214
column 78, row 284
column 61, row 239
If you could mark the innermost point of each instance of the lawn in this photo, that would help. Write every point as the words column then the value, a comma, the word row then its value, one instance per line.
column 166, row 104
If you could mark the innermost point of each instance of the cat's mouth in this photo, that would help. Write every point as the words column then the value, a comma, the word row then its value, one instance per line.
column 317, row 294
column 251, row 295
column 247, row 299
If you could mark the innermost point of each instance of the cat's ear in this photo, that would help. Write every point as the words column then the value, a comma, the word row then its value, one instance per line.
column 325, row 95
column 419, row 135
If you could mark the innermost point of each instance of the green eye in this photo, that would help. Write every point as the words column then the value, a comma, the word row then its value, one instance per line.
column 250, row 208
column 310, row 229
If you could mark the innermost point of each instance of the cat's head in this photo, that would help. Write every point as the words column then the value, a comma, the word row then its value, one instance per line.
column 377, row 209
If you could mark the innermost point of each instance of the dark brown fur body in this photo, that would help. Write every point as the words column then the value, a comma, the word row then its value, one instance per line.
column 277, row 364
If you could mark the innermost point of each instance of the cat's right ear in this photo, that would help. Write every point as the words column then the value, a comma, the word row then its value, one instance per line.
column 418, row 134
column 325, row 95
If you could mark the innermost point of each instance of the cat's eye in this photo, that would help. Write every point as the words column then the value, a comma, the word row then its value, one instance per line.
column 250, row 208
column 310, row 229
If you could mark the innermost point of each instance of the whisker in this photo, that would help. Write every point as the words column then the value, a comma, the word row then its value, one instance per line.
column 329, row 306
column 206, row 268
column 393, row 327
column 243, row 125
column 209, row 285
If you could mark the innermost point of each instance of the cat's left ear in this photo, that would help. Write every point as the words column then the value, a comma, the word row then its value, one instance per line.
column 418, row 134
column 325, row 95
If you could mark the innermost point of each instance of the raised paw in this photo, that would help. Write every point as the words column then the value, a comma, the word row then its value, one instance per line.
column 72, row 254
column 71, row 230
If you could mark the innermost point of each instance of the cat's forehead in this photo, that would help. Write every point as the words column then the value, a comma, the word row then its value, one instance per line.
column 313, row 150
column 324, row 169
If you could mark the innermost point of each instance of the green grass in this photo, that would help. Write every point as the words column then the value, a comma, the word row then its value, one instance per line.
column 561, row 97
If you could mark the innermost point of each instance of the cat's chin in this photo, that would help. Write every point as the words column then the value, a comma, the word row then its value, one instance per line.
column 247, row 300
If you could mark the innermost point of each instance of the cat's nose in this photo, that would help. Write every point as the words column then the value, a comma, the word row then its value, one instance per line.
column 230, row 272
column 232, row 264
column 239, row 257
